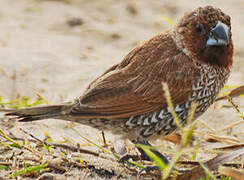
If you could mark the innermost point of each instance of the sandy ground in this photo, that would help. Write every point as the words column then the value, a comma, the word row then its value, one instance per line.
column 57, row 60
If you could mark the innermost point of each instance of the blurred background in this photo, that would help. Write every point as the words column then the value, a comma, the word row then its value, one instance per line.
column 57, row 47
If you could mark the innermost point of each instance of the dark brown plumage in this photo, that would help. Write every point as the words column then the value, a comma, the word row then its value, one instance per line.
column 194, row 59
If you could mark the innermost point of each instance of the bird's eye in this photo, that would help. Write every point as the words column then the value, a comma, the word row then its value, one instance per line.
column 200, row 29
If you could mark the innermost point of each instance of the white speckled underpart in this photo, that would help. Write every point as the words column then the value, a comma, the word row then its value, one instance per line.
column 161, row 122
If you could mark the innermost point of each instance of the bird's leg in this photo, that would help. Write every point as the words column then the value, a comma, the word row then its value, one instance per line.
column 127, row 156
column 143, row 156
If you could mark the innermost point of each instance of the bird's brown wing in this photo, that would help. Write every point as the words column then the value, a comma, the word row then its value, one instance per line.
column 134, row 86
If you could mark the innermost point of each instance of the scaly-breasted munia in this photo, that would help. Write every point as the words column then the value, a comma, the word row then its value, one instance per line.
column 194, row 58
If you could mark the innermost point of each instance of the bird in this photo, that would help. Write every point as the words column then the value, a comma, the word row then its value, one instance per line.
column 194, row 58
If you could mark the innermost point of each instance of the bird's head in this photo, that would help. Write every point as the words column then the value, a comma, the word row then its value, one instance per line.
column 205, row 35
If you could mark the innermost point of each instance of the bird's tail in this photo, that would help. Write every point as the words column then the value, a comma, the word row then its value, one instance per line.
column 38, row 113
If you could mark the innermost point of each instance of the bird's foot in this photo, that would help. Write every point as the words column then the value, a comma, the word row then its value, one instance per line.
column 143, row 156
column 148, row 169
column 127, row 157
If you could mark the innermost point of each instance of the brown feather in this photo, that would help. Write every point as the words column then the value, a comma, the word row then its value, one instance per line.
column 128, row 98
column 134, row 86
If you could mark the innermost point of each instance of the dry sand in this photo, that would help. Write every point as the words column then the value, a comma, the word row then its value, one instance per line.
column 50, row 57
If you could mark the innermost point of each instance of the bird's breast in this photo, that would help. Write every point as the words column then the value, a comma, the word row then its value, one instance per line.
column 207, row 86
column 204, row 91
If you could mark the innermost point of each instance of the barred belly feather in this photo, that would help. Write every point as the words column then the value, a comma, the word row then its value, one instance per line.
column 204, row 92
column 194, row 58
column 161, row 122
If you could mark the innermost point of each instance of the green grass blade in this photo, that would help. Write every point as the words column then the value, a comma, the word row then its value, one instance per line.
column 28, row 170
column 170, row 105
column 152, row 156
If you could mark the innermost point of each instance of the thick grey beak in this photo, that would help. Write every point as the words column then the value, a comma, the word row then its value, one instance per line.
column 219, row 35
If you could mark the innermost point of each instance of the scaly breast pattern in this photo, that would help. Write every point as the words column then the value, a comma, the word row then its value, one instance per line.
column 204, row 92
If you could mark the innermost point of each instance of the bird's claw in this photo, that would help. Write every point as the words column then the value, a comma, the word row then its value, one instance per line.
column 147, row 169
column 126, row 157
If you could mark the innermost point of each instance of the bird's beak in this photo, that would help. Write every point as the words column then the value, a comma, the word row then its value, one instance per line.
column 219, row 35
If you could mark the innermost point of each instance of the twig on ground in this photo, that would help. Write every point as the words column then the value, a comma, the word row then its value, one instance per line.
column 17, row 144
column 104, row 140
column 212, row 165
column 69, row 147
